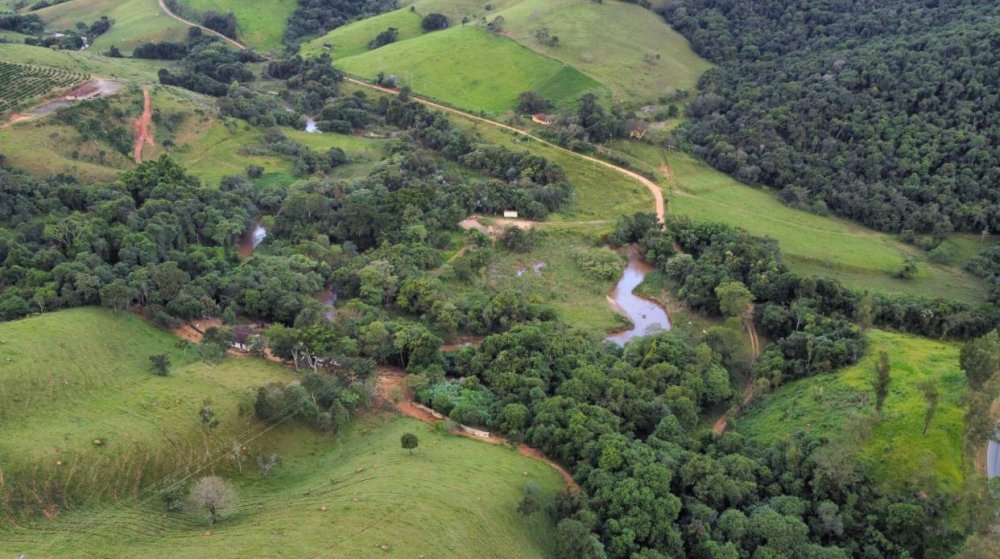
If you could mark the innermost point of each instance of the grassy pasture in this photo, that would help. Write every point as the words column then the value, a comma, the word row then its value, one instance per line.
column 136, row 21
column 452, row 497
column 72, row 377
column 259, row 23
column 352, row 39
column 841, row 406
column 473, row 69
column 88, row 62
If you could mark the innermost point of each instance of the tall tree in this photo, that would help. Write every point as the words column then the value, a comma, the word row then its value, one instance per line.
column 882, row 380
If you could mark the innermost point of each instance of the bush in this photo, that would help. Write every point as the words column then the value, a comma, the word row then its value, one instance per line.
column 434, row 22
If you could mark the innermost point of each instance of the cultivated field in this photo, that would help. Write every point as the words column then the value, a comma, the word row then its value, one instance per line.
column 88, row 62
column 841, row 406
column 340, row 496
column 22, row 85
column 136, row 21
column 260, row 23
column 473, row 69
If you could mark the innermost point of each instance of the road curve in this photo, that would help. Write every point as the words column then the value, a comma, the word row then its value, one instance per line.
column 653, row 188
column 234, row 42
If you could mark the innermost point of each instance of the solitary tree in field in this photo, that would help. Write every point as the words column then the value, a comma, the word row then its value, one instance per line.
column 931, row 395
column 160, row 363
column 881, row 380
column 214, row 495
column 409, row 441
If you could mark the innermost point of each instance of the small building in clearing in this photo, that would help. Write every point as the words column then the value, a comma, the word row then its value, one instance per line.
column 543, row 119
column 510, row 213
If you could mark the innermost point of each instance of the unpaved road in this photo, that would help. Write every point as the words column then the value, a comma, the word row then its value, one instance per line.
column 234, row 42
column 93, row 89
column 143, row 132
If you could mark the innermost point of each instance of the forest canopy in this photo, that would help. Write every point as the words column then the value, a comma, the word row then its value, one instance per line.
column 884, row 112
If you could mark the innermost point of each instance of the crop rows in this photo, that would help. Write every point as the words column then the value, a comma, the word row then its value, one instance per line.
column 21, row 84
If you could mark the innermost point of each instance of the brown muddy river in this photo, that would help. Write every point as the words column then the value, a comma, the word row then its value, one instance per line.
column 647, row 317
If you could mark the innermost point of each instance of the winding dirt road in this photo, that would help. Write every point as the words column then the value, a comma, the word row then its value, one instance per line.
column 234, row 42
column 653, row 188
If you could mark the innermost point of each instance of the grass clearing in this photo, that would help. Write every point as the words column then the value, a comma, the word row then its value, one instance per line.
column 452, row 497
column 136, row 21
column 259, row 23
column 579, row 300
column 840, row 406
column 88, row 62
column 352, row 39
column 470, row 68
column 73, row 377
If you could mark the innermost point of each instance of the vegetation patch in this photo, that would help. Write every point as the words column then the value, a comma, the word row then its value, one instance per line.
column 136, row 21
column 260, row 23
column 22, row 85
column 841, row 406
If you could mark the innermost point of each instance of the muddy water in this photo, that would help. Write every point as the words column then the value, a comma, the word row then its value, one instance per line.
column 647, row 317
column 251, row 239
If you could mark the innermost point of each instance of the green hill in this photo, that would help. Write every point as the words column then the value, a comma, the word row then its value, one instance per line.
column 841, row 406
column 136, row 21
column 260, row 23
column 452, row 497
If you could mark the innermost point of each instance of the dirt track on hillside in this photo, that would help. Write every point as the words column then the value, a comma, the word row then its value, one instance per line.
column 143, row 130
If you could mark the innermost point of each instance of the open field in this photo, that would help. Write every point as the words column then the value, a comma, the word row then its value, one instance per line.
column 473, row 69
column 452, row 497
column 260, row 23
column 812, row 244
column 841, row 406
column 136, row 21
column 352, row 39
column 70, row 378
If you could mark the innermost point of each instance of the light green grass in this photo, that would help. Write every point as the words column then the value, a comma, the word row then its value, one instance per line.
column 610, row 42
column 473, row 69
column 353, row 39
column 260, row 23
column 72, row 377
column 893, row 449
column 452, row 497
column 211, row 150
column 44, row 148
column 136, row 21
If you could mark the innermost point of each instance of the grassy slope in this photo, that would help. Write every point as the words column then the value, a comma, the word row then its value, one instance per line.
column 136, row 21
column 452, row 497
column 473, row 69
column 894, row 449
column 70, row 377
column 260, row 23
column 352, row 40
column 609, row 42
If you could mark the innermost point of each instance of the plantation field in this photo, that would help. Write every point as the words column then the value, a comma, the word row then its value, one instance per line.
column 841, row 405
column 473, row 69
column 811, row 244
column 88, row 62
column 136, row 21
column 22, row 85
column 259, row 23
column 353, row 39
column 452, row 497
column 70, row 378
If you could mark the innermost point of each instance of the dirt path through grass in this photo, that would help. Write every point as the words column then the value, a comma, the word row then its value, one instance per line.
column 143, row 134
column 234, row 42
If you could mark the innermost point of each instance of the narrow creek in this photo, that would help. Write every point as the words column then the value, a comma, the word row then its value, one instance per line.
column 993, row 459
column 311, row 126
column 251, row 240
column 647, row 317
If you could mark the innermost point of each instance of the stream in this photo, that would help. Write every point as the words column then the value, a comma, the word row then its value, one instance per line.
column 311, row 126
column 251, row 240
column 993, row 459
column 647, row 317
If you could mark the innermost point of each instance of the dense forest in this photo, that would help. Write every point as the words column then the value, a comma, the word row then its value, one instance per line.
column 315, row 17
column 884, row 112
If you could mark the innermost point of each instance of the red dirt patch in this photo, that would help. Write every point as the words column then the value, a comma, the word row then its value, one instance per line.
column 143, row 134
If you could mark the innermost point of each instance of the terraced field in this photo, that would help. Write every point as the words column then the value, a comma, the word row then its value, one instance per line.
column 23, row 85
